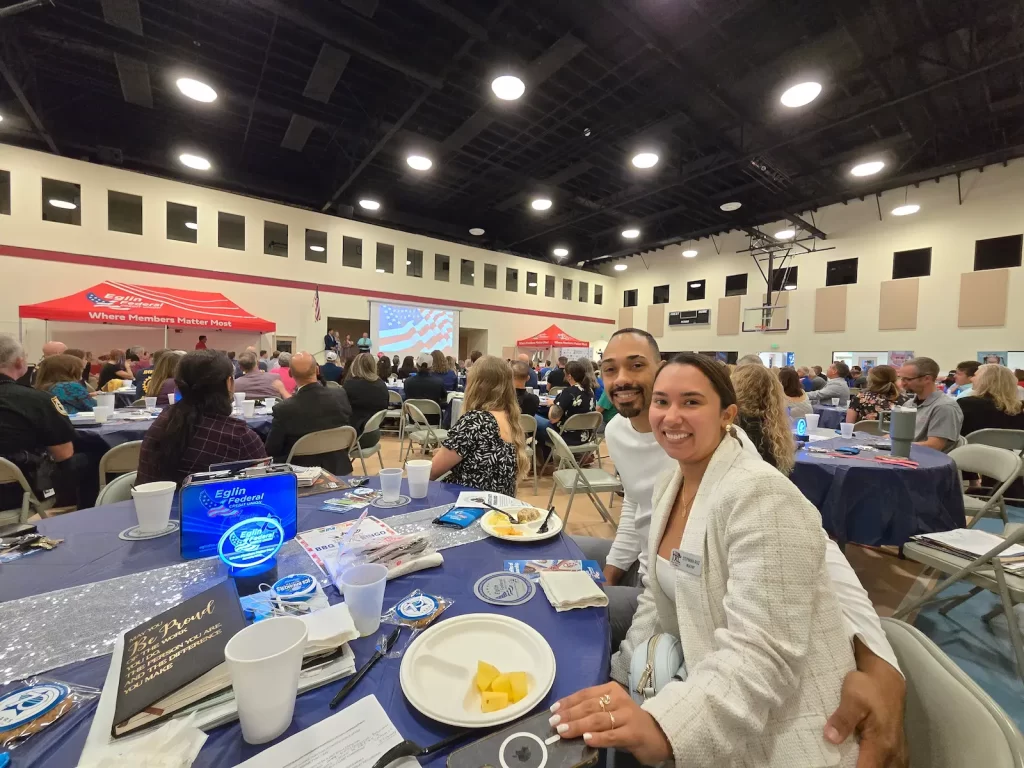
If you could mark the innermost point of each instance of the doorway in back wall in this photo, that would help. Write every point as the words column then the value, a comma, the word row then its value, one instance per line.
column 472, row 340
column 351, row 326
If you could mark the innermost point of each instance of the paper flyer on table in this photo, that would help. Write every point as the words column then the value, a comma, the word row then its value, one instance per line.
column 356, row 737
column 323, row 542
column 468, row 499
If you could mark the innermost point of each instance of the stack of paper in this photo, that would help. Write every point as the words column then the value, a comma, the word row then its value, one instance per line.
column 468, row 499
column 971, row 543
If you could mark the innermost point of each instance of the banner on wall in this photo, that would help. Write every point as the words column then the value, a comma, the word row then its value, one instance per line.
column 897, row 359
column 993, row 357
column 573, row 353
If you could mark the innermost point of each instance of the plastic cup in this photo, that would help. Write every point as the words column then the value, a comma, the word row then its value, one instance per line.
column 249, row 408
column 835, row 402
column 418, row 472
column 153, row 505
column 264, row 661
column 102, row 412
column 150, row 403
column 363, row 587
column 269, row 402
column 846, row 429
column 812, row 420
column 239, row 398
column 105, row 398
column 172, row 398
column 391, row 483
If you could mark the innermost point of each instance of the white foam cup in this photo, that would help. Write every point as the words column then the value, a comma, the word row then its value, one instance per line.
column 239, row 398
column 269, row 402
column 249, row 408
column 102, row 412
column 105, row 398
column 418, row 472
column 153, row 505
column 363, row 587
column 846, row 429
column 264, row 661
column 150, row 403
column 835, row 401
column 812, row 420
column 391, row 483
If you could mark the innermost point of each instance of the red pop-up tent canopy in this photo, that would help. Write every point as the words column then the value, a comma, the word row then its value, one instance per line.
column 125, row 304
column 552, row 337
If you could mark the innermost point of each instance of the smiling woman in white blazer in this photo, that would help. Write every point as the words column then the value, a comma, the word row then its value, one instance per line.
column 749, row 598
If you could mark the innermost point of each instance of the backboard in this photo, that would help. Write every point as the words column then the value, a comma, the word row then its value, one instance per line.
column 765, row 319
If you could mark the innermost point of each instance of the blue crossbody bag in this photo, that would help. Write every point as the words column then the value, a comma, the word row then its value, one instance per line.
column 655, row 664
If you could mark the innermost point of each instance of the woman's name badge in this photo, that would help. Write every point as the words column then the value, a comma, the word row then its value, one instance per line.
column 687, row 562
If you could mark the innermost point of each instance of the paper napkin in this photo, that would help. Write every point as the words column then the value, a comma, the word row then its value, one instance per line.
column 566, row 590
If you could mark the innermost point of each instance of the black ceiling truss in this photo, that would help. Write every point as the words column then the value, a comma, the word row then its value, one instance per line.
column 321, row 100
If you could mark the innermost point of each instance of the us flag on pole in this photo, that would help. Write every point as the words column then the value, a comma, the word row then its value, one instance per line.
column 423, row 329
column 316, row 303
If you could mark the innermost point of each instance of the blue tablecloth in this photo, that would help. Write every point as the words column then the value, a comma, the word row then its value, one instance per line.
column 97, row 439
column 866, row 502
column 830, row 417
column 92, row 552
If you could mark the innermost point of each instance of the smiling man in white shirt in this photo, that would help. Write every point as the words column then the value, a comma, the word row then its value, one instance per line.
column 873, row 696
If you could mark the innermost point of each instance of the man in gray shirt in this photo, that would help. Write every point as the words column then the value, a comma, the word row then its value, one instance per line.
column 836, row 386
column 939, row 418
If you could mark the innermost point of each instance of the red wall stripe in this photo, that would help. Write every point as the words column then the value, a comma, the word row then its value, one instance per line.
column 105, row 262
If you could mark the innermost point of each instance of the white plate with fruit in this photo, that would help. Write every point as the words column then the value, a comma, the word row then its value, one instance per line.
column 478, row 670
column 531, row 519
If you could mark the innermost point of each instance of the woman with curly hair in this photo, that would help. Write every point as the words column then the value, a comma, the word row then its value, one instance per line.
column 762, row 415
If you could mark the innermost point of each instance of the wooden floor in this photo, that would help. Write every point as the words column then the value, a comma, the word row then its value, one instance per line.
column 886, row 577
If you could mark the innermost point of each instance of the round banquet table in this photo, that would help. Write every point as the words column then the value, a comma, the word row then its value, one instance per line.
column 92, row 552
column 97, row 439
column 829, row 416
column 870, row 503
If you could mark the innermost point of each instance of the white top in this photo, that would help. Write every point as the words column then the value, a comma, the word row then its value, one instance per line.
column 663, row 571
column 639, row 461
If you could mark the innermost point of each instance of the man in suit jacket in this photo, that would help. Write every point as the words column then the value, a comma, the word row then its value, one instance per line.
column 313, row 407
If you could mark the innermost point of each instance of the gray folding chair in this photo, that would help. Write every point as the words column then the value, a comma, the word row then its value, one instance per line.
column 10, row 473
column 323, row 441
column 372, row 425
column 585, row 423
column 140, row 402
column 1007, row 439
column 574, row 477
column 419, row 430
column 1001, row 465
column 949, row 721
column 870, row 427
column 118, row 489
column 985, row 573
column 332, row 385
column 552, row 391
column 396, row 414
column 529, row 425
column 120, row 459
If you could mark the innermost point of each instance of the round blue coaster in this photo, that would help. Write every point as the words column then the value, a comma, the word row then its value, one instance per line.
column 504, row 588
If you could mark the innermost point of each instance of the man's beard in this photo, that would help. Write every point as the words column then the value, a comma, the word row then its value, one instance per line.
column 632, row 408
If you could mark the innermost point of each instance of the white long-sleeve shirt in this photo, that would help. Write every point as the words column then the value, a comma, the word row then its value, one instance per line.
column 640, row 460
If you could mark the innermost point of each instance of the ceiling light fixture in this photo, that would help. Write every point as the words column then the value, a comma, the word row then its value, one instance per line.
column 370, row 205
column 1, row 118
column 381, row 271
column 561, row 251
column 476, row 231
column 191, row 225
column 419, row 162
column 197, row 162
column 508, row 87
column 67, row 205
column 867, row 169
column 531, row 285
column 695, row 285
column 317, row 248
column 730, row 207
column 645, row 160
column 689, row 253
column 196, row 90
column 785, row 234
column 620, row 267
column 790, row 287
column 540, row 204
column 801, row 94
column 631, row 234
column 906, row 210
column 407, row 262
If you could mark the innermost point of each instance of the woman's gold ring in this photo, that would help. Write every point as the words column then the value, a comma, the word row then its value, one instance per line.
column 604, row 701
column 612, row 717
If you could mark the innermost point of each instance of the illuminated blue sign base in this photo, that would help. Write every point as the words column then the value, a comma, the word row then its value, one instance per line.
column 248, row 580
column 249, row 548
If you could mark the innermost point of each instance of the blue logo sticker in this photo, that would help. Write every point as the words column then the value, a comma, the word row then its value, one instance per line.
column 801, row 427
column 25, row 704
column 251, row 542
column 298, row 586
column 417, row 607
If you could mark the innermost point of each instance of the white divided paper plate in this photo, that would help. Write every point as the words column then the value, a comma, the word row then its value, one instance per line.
column 439, row 668
column 529, row 530
column 83, row 417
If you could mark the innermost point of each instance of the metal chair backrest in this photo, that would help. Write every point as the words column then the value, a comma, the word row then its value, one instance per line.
column 582, row 422
column 561, row 451
column 425, row 407
column 529, row 425
column 949, row 721
column 870, row 426
column 11, row 473
column 394, row 398
column 997, row 463
column 1008, row 439
column 139, row 402
column 119, row 459
column 373, row 423
column 333, row 385
column 554, row 390
column 118, row 489
column 324, row 441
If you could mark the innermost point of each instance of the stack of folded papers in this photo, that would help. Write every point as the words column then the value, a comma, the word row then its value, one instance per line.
column 972, row 543
column 566, row 590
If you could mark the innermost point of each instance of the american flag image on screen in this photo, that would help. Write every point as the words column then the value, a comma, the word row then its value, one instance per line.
column 414, row 329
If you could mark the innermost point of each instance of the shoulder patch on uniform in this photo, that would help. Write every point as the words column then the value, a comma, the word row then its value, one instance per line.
column 59, row 406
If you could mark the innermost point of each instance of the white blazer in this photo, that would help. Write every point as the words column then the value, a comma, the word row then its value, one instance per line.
column 762, row 634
